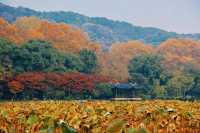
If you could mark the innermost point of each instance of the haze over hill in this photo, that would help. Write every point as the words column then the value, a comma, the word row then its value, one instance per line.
column 102, row 30
column 155, row 13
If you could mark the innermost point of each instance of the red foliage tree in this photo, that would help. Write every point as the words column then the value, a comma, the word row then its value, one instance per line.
column 76, row 82
column 15, row 86
column 33, row 80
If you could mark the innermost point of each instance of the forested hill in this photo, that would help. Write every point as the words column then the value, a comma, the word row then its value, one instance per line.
column 102, row 30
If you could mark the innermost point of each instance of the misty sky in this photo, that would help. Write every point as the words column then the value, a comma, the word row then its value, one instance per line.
column 182, row 16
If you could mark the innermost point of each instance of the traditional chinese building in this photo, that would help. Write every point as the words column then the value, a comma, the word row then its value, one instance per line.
column 125, row 90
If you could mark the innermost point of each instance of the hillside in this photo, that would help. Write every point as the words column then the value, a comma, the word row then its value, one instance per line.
column 102, row 30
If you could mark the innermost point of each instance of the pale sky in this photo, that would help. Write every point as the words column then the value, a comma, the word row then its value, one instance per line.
column 182, row 16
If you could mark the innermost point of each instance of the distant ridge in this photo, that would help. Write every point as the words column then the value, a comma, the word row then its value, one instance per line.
column 102, row 30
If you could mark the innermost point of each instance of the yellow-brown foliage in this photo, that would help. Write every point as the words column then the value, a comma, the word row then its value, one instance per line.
column 64, row 37
column 116, row 61
column 100, row 116
column 179, row 52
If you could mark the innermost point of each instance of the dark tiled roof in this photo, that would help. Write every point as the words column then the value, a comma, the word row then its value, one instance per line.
column 126, row 86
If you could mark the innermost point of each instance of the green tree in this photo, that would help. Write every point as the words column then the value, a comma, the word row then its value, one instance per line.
column 6, row 50
column 73, row 63
column 1, row 72
column 89, row 60
column 159, row 91
column 179, row 84
column 146, row 69
column 103, row 90
column 195, row 89
column 36, row 55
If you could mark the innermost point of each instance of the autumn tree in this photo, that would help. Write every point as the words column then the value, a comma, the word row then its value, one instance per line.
column 179, row 52
column 71, row 41
column 115, row 62
column 53, row 85
column 15, row 87
column 9, row 31
column 64, row 37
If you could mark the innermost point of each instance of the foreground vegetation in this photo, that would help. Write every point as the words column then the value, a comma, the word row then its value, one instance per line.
column 100, row 116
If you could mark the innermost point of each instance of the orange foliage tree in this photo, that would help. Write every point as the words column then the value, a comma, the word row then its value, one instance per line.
column 116, row 61
column 15, row 86
column 179, row 52
column 64, row 37
column 9, row 31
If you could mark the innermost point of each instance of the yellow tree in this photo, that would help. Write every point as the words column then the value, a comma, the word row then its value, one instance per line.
column 115, row 62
